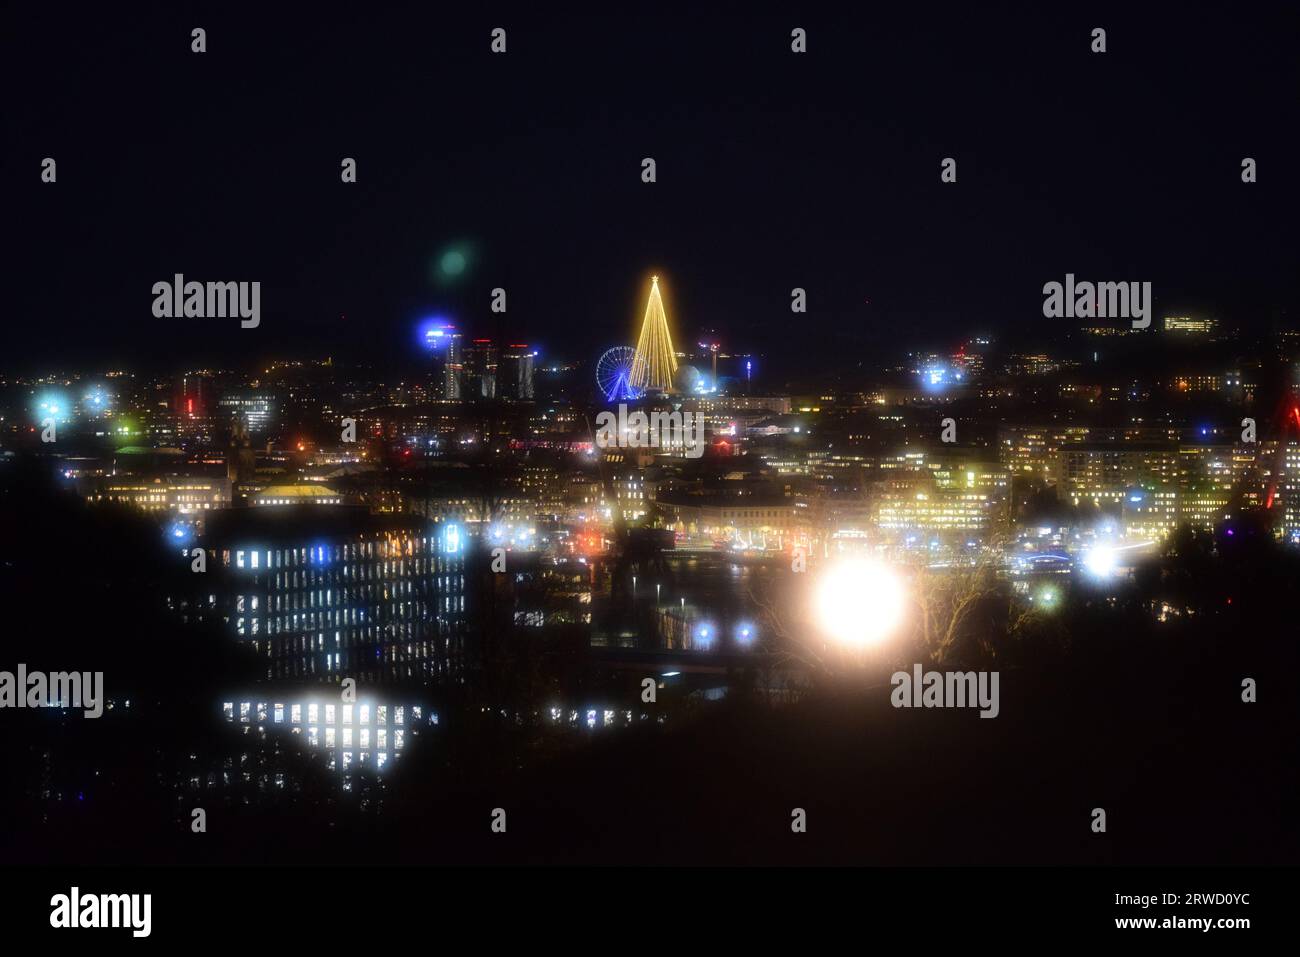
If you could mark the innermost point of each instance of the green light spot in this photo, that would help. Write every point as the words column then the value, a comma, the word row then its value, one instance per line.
column 453, row 263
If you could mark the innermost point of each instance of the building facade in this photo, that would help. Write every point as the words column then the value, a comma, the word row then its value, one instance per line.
column 333, row 592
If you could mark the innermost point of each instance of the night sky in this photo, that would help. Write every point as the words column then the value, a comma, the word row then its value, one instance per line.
column 775, row 170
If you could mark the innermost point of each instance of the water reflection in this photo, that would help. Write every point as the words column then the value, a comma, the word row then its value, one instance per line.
column 707, row 602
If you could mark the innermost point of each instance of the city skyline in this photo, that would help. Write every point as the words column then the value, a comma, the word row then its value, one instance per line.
column 457, row 438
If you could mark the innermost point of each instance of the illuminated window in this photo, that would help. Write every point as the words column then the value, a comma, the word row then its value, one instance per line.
column 329, row 737
column 312, row 711
column 347, row 714
column 329, row 714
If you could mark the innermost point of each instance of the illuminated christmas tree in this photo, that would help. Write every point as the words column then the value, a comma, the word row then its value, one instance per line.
column 654, row 365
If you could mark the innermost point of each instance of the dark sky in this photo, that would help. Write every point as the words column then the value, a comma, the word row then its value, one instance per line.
column 774, row 170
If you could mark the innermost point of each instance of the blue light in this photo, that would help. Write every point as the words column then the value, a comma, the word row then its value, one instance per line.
column 451, row 540
column 935, row 378
column 745, row 633
column 53, row 405
column 621, row 388
column 436, row 332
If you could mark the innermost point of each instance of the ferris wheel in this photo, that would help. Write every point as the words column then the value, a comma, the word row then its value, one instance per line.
column 614, row 374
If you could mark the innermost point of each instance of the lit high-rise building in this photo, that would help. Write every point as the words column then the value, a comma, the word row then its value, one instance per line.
column 912, row 509
column 444, row 344
column 1103, row 472
column 370, row 733
column 333, row 592
column 193, row 407
column 515, row 372
column 479, row 374
column 1290, row 485
column 257, row 408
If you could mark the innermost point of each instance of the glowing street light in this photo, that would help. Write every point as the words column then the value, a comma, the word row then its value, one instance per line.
column 859, row 602
column 1101, row 561
column 745, row 633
